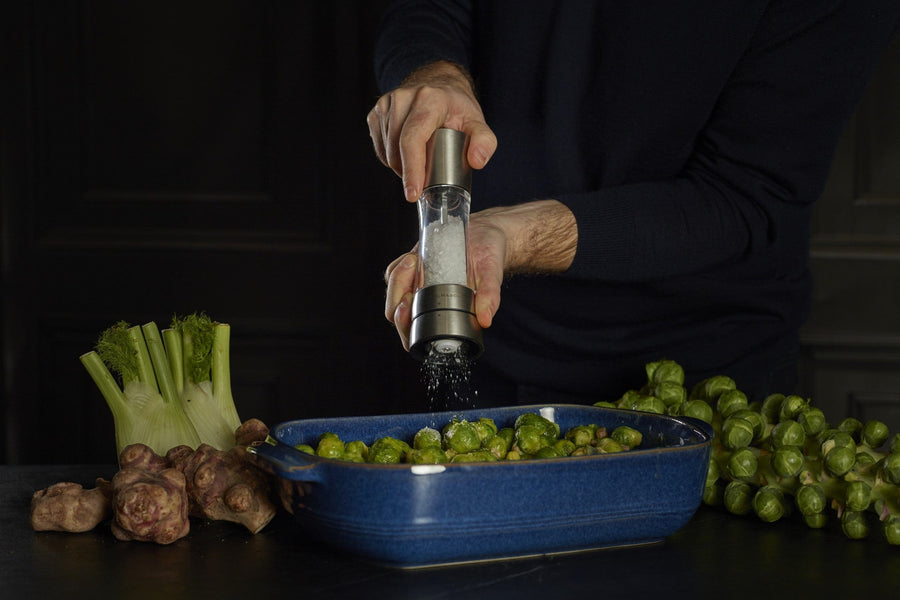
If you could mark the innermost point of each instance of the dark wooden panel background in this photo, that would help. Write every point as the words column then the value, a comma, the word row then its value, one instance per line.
column 166, row 157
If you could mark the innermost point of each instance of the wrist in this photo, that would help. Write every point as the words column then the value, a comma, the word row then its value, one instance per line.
column 541, row 236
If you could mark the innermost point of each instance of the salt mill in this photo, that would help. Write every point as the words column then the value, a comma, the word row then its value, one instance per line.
column 443, row 310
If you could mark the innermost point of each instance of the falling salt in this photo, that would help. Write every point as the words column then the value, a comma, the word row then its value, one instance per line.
column 447, row 381
column 445, row 252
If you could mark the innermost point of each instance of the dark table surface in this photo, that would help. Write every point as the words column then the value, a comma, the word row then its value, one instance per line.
column 715, row 555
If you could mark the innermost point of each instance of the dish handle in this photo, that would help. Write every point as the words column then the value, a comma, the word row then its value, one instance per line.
column 285, row 461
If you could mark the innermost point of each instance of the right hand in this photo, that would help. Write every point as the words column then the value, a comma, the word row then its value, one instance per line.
column 402, row 121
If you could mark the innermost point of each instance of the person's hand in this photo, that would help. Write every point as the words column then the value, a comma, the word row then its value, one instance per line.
column 402, row 121
column 535, row 237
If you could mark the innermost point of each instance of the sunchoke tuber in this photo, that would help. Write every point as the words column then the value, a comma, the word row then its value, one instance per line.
column 67, row 506
column 150, row 507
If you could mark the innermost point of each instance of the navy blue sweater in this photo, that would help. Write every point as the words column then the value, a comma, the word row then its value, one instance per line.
column 690, row 139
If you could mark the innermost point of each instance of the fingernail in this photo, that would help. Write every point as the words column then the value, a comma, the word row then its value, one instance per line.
column 412, row 194
column 409, row 261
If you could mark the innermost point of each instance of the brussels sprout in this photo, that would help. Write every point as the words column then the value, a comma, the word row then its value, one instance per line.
column 548, row 452
column 787, row 461
column 810, row 499
column 738, row 497
column 609, row 445
column 564, row 447
column 853, row 426
column 713, row 495
column 874, row 434
column 485, row 428
column 835, row 439
column 892, row 531
column 890, row 468
column 768, row 503
column 537, row 420
column 790, row 407
column 305, row 448
column 497, row 445
column 736, row 433
column 508, row 434
column 863, row 461
column 731, row 401
column 816, row 521
column 461, row 436
column 670, row 393
column 429, row 455
column 755, row 419
column 855, row 524
column 743, row 463
column 650, row 404
column 711, row 388
column 356, row 451
column 812, row 420
column 627, row 436
column 771, row 407
column 330, row 446
column 474, row 456
column 530, row 438
column 580, row 435
column 384, row 454
column 605, row 404
column 858, row 495
column 698, row 409
column 788, row 433
column 665, row 371
column 425, row 437
column 587, row 450
column 840, row 460
column 895, row 444
column 712, row 472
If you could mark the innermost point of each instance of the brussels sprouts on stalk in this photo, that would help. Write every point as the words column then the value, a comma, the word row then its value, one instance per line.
column 858, row 495
column 768, row 503
column 771, row 407
column 738, row 497
column 665, row 371
column 756, row 420
column 670, row 393
column 698, row 409
column 892, row 531
column 736, row 433
column 840, row 460
column 788, row 433
column 812, row 420
column 816, row 521
column 855, row 524
column 810, row 499
column 711, row 388
column 787, row 461
column 731, row 401
column 891, row 468
column 791, row 407
column 874, row 434
column 743, row 464
column 853, row 426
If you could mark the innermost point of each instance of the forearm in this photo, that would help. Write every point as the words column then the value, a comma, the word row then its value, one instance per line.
column 541, row 236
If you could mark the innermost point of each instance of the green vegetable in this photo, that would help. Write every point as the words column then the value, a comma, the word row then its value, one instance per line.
column 783, row 453
column 167, row 393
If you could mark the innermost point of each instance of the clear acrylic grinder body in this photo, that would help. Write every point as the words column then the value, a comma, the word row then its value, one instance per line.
column 443, row 310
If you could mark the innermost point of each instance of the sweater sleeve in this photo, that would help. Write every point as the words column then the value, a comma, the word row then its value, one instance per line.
column 745, row 194
column 414, row 33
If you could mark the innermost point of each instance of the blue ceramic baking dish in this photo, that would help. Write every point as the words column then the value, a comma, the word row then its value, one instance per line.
column 424, row 515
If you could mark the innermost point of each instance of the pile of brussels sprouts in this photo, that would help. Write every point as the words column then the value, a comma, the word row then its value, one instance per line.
column 781, row 456
column 531, row 437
